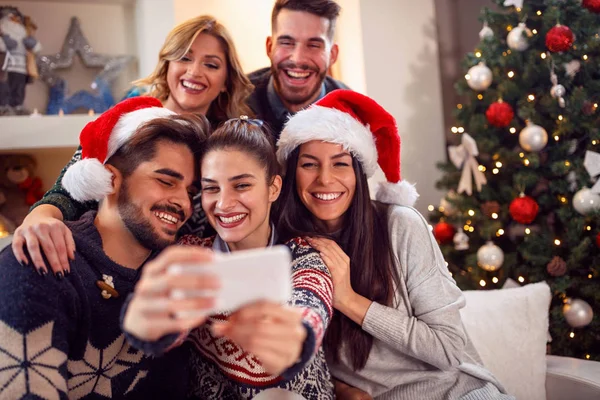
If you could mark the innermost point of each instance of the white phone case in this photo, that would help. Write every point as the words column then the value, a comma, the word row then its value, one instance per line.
column 246, row 276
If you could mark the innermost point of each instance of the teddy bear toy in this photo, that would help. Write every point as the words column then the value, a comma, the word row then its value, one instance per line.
column 20, row 186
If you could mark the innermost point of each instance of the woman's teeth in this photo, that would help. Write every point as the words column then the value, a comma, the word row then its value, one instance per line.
column 327, row 196
column 167, row 217
column 230, row 220
column 192, row 86
column 297, row 75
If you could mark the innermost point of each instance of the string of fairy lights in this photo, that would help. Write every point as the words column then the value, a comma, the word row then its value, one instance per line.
column 497, row 164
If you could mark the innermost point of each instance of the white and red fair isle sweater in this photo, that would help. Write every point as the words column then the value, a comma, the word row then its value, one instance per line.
column 220, row 369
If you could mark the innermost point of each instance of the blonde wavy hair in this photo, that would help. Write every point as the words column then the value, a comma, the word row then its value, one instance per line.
column 229, row 104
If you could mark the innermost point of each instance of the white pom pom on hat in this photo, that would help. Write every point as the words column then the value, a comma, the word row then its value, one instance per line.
column 88, row 179
column 361, row 126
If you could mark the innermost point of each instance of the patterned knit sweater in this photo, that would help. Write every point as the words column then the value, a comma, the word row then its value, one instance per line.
column 61, row 339
column 220, row 369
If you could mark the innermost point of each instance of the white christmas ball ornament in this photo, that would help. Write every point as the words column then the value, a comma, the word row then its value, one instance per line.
column 461, row 241
column 577, row 312
column 533, row 137
column 486, row 32
column 585, row 201
column 490, row 257
column 479, row 77
column 517, row 37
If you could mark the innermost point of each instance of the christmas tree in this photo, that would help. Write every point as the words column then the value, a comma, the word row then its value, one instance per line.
column 522, row 201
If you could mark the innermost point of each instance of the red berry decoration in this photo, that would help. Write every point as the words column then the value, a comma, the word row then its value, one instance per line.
column 499, row 114
column 444, row 232
column 523, row 209
column 560, row 38
column 592, row 5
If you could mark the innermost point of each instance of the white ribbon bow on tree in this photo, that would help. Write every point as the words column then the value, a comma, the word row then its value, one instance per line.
column 591, row 162
column 463, row 156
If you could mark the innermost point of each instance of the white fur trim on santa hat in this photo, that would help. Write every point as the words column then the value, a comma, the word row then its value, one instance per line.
column 329, row 125
column 87, row 179
column 129, row 123
column 401, row 193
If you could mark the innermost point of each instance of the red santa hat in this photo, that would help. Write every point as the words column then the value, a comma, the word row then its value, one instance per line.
column 363, row 128
column 88, row 179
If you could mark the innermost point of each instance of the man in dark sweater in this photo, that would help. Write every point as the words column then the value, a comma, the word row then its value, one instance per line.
column 60, row 338
column 301, row 50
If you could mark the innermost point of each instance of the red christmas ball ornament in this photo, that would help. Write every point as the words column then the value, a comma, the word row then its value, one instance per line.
column 444, row 232
column 499, row 114
column 592, row 5
column 560, row 38
column 523, row 209
column 598, row 240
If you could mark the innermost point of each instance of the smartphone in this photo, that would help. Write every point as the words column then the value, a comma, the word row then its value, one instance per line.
column 246, row 276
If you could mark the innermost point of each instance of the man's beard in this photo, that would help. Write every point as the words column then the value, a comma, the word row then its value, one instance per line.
column 134, row 220
column 293, row 97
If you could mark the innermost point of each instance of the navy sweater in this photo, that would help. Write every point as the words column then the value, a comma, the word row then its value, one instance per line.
column 61, row 339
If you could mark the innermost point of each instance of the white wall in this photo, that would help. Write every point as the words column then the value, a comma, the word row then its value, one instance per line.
column 349, row 37
column 402, row 74
column 248, row 22
column 154, row 19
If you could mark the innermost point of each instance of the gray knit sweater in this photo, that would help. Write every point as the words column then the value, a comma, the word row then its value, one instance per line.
column 421, row 349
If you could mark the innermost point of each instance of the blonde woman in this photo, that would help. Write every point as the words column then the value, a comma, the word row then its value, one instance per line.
column 198, row 72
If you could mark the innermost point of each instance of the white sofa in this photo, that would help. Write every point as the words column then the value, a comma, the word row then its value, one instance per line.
column 509, row 328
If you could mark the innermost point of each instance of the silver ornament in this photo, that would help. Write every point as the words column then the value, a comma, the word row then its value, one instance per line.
column 577, row 312
column 490, row 257
column 486, row 32
column 75, row 42
column 461, row 241
column 572, row 68
column 517, row 37
column 533, row 137
column 572, row 179
column 558, row 91
column 479, row 77
column 585, row 201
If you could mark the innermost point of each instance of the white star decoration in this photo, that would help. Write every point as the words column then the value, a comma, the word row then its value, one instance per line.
column 29, row 364
column 516, row 3
column 93, row 374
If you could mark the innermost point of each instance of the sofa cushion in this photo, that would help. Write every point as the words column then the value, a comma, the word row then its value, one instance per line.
column 509, row 328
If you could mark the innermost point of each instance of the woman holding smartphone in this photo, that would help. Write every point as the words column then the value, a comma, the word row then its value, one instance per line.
column 396, row 332
column 264, row 345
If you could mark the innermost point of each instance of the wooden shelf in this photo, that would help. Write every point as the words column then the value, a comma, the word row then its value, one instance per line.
column 42, row 131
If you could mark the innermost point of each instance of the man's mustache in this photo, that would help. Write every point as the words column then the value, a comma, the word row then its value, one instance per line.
column 170, row 209
column 293, row 65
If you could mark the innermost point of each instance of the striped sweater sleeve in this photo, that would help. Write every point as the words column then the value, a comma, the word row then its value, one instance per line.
column 313, row 293
column 58, row 196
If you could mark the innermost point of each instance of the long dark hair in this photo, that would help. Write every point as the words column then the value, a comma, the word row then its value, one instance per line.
column 364, row 238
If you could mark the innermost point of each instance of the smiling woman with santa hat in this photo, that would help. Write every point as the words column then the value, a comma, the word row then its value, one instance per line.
column 397, row 331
